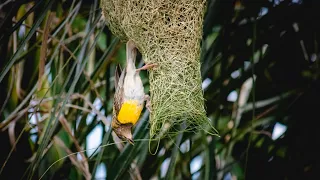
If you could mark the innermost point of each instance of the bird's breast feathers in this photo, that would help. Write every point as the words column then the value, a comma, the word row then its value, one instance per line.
column 130, row 112
column 133, row 99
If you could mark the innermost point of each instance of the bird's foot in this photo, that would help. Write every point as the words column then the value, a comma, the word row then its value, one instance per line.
column 147, row 66
column 148, row 102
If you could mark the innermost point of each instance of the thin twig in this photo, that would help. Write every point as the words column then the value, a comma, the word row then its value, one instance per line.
column 53, row 38
column 5, row 3
column 92, row 85
column 72, row 158
column 43, row 49
column 66, row 126
column 101, row 116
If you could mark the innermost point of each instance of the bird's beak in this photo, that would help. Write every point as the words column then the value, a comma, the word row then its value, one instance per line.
column 130, row 141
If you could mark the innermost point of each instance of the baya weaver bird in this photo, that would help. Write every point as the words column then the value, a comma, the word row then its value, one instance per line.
column 129, row 96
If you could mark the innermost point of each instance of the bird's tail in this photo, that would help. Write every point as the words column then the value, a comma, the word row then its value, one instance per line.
column 131, row 56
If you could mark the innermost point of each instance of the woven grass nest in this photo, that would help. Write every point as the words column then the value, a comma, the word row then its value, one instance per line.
column 168, row 33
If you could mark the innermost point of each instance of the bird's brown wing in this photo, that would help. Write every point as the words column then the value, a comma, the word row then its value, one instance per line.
column 117, row 74
column 118, row 96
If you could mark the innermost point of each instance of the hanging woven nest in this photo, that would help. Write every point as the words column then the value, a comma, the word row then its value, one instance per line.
column 168, row 33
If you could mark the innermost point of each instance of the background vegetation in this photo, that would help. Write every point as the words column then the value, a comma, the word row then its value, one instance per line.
column 260, row 66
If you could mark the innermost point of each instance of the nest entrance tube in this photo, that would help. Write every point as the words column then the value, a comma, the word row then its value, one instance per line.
column 168, row 33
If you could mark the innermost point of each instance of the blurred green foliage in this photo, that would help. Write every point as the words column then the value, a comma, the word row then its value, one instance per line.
column 260, row 62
